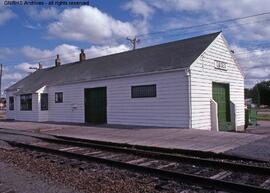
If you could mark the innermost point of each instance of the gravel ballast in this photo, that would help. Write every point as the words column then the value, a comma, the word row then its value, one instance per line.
column 15, row 180
column 71, row 174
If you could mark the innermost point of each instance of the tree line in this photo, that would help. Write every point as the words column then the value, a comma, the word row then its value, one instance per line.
column 260, row 93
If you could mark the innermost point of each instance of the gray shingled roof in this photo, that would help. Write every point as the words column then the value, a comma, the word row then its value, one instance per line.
column 168, row 56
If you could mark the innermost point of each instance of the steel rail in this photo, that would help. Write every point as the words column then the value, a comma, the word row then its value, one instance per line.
column 179, row 176
column 194, row 153
column 189, row 152
column 163, row 156
column 171, row 157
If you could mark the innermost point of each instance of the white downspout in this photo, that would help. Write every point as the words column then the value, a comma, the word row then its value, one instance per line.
column 188, row 73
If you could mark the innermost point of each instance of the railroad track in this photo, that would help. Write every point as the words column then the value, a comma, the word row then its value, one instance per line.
column 219, row 174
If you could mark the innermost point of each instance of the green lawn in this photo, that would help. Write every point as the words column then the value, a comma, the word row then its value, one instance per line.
column 263, row 117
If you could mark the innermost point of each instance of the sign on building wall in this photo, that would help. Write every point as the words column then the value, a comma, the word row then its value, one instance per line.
column 220, row 65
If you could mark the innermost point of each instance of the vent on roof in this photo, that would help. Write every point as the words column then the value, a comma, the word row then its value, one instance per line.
column 57, row 60
column 40, row 66
column 82, row 55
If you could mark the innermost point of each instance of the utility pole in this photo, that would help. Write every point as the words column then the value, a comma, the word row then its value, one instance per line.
column 1, row 73
column 33, row 68
column 134, row 42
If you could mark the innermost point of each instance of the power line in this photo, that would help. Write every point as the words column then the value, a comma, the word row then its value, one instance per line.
column 210, row 29
column 170, row 30
column 253, row 51
column 52, row 58
column 206, row 24
column 134, row 42
column 70, row 57
column 236, row 54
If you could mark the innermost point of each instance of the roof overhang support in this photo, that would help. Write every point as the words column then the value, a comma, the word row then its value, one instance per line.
column 188, row 74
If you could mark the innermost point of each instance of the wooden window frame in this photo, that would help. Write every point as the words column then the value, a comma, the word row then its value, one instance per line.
column 144, row 91
column 57, row 100
column 26, row 102
column 11, row 104
column 44, row 105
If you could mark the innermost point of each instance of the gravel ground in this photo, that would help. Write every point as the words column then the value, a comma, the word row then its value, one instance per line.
column 20, row 181
column 18, row 138
column 81, row 176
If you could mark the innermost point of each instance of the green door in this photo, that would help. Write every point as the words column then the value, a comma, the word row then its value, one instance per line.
column 96, row 105
column 221, row 95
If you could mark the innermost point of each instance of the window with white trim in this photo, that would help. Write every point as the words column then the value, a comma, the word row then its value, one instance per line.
column 59, row 97
column 26, row 102
column 143, row 91
column 43, row 101
column 11, row 103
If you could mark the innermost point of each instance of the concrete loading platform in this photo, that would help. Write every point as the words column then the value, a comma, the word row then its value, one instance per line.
column 238, row 144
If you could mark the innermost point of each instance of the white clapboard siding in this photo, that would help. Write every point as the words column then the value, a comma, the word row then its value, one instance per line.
column 27, row 115
column 11, row 114
column 168, row 109
column 203, row 74
column 43, row 115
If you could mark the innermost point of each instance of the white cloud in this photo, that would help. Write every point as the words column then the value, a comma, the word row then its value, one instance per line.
column 42, row 14
column 212, row 10
column 179, row 5
column 139, row 7
column 15, row 76
column 6, row 15
column 10, row 79
column 6, row 53
column 7, row 73
column 96, row 51
column 259, row 73
column 68, row 53
column 11, row 76
column 251, row 58
column 89, row 24
column 47, row 57
column 34, row 27
column 1, row 3
column 26, row 67
column 254, row 63
column 35, row 53
column 143, row 12
column 226, row 8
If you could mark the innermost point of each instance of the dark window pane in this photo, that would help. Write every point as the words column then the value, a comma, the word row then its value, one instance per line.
column 58, row 97
column 143, row 91
column 26, row 102
column 44, row 101
column 11, row 103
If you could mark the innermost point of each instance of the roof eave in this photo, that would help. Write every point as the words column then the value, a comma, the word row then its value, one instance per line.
column 123, row 76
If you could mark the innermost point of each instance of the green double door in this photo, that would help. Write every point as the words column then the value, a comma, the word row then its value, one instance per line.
column 96, row 105
column 221, row 95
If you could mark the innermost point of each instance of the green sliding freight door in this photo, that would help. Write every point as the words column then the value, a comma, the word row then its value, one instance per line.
column 96, row 105
column 221, row 95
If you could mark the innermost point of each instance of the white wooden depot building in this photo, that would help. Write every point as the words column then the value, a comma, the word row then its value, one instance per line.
column 191, row 83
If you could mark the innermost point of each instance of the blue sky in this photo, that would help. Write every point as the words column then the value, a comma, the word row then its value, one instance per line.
column 30, row 34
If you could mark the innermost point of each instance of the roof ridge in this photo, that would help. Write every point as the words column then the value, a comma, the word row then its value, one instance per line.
column 139, row 49
column 157, row 58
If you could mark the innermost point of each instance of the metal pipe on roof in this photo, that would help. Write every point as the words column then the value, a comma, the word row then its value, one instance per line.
column 57, row 60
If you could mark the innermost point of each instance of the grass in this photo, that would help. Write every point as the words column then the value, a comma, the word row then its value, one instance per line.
column 263, row 117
